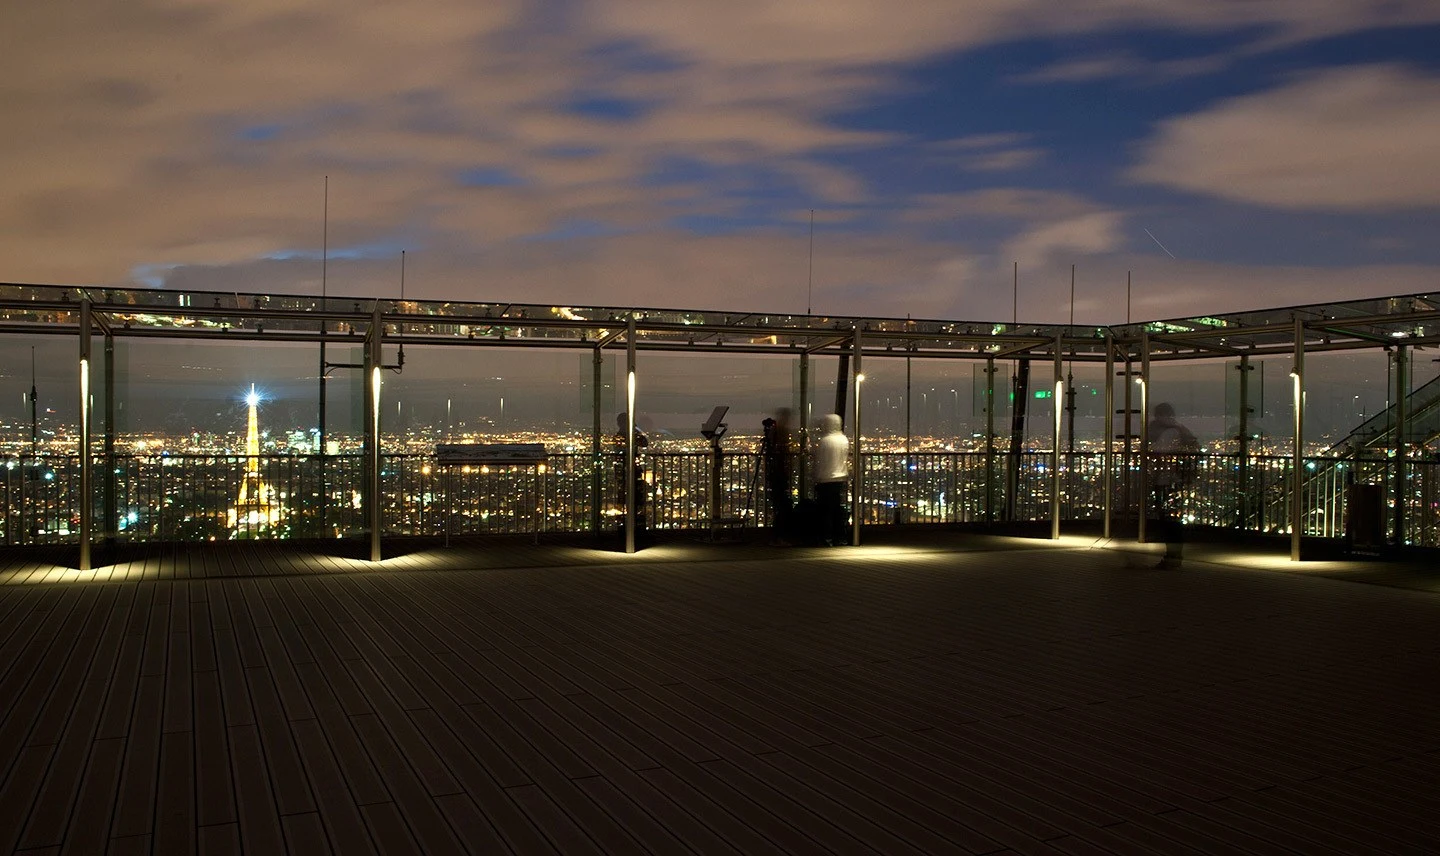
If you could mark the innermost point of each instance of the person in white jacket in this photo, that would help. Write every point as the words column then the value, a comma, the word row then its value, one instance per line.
column 832, row 474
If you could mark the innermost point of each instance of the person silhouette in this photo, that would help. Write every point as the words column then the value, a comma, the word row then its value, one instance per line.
column 1172, row 469
column 832, row 474
column 778, row 455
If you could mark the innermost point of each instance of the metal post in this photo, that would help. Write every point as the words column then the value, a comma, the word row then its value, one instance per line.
column 374, row 360
column 1297, row 464
column 1402, row 395
column 857, row 483
column 1242, row 470
column 1108, row 462
column 630, row 480
column 597, row 479
column 804, row 467
column 112, row 523
column 1127, row 456
column 907, row 412
column 1144, row 500
column 320, row 450
column 86, row 507
column 1059, row 392
column 990, row 440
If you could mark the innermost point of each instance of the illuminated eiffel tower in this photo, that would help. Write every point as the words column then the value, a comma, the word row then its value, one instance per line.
column 255, row 509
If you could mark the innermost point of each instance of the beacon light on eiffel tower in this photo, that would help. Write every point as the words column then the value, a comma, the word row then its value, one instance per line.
column 255, row 510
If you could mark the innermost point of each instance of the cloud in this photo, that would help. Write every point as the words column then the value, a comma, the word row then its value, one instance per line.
column 858, row 32
column 1087, row 234
column 193, row 136
column 1007, row 203
column 1351, row 139
column 1121, row 65
column 995, row 152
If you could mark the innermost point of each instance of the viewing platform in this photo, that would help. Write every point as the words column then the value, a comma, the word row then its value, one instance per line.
column 928, row 692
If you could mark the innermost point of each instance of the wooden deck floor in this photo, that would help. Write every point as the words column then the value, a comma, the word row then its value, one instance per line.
column 1008, row 697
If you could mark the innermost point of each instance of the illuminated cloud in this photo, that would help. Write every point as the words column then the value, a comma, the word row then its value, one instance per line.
column 649, row 152
column 1359, row 138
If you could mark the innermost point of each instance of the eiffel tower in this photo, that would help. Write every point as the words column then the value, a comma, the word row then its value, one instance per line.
column 255, row 510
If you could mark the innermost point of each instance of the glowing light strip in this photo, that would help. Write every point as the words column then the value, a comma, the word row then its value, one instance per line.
column 630, row 400
column 1059, row 397
column 375, row 377
column 84, row 397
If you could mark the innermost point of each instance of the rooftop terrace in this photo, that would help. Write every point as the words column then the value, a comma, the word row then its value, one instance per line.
column 930, row 692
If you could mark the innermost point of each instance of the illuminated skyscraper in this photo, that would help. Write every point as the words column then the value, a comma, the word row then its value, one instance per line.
column 255, row 510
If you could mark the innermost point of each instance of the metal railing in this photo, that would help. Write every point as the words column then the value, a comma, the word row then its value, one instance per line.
column 199, row 497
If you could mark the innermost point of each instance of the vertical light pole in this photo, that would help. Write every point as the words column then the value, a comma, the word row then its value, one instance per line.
column 1055, row 440
column 804, row 467
column 111, row 521
column 86, row 502
column 1242, row 470
column 1144, row 499
column 374, row 359
column 1108, row 462
column 631, row 485
column 989, row 439
column 1297, row 464
column 1402, row 390
column 320, row 441
column 857, row 484
column 596, row 456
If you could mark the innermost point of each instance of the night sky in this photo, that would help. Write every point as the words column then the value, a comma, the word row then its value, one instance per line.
column 1232, row 155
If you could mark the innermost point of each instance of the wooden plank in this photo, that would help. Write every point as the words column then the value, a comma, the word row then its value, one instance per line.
column 134, row 811
column 412, row 799
column 255, row 802
column 221, row 839
column 175, row 794
column 337, row 805
column 98, row 788
column 564, row 835
column 18, row 792
column 304, row 833
column 477, row 833
column 214, row 791
column 290, row 787
column 388, row 829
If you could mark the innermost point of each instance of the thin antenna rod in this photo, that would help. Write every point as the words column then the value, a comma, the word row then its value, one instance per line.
column 1127, row 297
column 324, row 242
column 1070, row 373
column 810, row 280
column 1015, row 294
column 402, row 274
column 1072, row 295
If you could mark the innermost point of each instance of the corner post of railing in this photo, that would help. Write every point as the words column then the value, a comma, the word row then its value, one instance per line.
column 374, row 369
column 803, row 468
column 857, row 483
column 989, row 439
column 1242, row 445
column 112, row 522
column 1108, row 463
column 86, row 506
column 1055, row 482
column 597, row 480
column 1402, row 406
column 1144, row 498
column 1297, row 463
column 632, row 481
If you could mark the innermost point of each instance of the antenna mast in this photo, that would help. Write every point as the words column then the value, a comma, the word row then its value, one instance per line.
column 810, row 279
